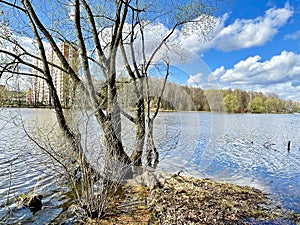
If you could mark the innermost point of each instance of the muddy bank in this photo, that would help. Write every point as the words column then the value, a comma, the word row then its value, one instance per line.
column 180, row 199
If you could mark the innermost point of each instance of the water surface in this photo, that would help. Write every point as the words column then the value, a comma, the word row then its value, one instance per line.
column 247, row 149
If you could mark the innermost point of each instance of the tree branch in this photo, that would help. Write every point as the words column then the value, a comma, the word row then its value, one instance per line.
column 54, row 46
column 100, row 52
column 85, row 62
column 162, row 92
column 20, row 60
column 161, row 44
column 131, row 7
column 12, row 5
column 131, row 118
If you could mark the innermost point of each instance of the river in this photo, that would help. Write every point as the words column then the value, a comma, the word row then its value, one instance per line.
column 247, row 149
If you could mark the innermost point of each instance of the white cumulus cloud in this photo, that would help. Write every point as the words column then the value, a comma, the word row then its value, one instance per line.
column 293, row 36
column 280, row 68
column 195, row 80
column 280, row 74
column 242, row 33
column 215, row 75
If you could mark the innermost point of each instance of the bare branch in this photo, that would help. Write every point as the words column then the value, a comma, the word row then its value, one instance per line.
column 53, row 44
column 132, row 8
column 129, row 117
column 148, row 64
column 162, row 92
column 20, row 60
column 12, row 5
column 100, row 52
column 127, row 64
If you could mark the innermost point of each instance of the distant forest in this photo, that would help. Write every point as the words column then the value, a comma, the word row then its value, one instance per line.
column 230, row 101
column 181, row 98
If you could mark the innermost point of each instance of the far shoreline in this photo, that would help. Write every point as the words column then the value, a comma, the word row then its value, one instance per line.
column 151, row 110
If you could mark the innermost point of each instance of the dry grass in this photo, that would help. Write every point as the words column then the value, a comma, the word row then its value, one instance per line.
column 129, row 206
column 186, row 200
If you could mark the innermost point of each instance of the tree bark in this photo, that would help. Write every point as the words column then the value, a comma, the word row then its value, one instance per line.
column 152, row 154
column 136, row 156
column 70, row 136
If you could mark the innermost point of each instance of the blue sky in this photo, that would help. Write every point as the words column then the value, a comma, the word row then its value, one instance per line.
column 255, row 46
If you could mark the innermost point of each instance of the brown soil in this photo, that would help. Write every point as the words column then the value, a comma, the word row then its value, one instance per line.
column 185, row 200
column 129, row 206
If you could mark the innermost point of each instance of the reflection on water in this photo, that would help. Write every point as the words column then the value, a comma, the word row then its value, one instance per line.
column 23, row 169
column 247, row 149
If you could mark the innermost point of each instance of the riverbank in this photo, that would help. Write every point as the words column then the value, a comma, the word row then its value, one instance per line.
column 30, row 106
column 180, row 199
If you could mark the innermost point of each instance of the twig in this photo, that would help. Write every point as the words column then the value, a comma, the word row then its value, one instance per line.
column 9, row 184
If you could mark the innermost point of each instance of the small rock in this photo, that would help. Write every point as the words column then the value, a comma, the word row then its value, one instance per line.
column 34, row 203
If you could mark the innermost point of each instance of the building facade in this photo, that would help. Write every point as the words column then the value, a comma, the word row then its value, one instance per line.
column 40, row 94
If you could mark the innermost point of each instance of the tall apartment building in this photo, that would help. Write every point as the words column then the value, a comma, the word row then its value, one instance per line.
column 40, row 94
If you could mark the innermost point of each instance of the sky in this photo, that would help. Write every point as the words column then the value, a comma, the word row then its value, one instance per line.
column 255, row 46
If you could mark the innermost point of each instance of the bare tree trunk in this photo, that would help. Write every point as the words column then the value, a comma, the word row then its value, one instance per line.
column 114, row 147
column 152, row 154
column 70, row 136
column 110, row 123
column 113, row 144
column 136, row 155
column 151, row 151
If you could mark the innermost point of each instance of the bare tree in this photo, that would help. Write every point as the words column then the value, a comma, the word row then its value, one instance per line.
column 110, row 36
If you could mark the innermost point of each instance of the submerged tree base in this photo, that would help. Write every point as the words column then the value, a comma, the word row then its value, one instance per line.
column 180, row 199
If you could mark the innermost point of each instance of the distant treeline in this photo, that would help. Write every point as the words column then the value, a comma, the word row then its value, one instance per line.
column 180, row 98
column 9, row 98
column 185, row 98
